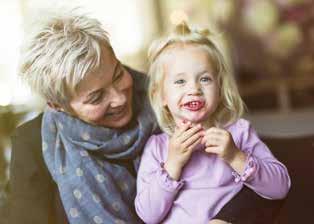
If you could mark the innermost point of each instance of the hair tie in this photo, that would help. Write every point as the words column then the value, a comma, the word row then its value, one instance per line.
column 204, row 32
column 182, row 29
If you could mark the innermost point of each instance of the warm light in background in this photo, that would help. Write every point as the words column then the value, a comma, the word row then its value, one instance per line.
column 122, row 23
column 257, row 20
column 10, row 20
column 178, row 16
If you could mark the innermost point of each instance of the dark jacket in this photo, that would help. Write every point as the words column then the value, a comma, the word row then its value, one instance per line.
column 33, row 194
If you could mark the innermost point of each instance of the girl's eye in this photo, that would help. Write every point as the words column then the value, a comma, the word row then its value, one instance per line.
column 179, row 81
column 206, row 79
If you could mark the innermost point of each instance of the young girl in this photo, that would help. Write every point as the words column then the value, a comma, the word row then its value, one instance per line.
column 207, row 153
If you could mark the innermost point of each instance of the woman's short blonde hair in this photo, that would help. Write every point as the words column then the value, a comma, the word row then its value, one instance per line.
column 60, row 53
column 231, row 106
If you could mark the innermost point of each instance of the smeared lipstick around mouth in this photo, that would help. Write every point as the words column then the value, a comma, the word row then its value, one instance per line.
column 194, row 105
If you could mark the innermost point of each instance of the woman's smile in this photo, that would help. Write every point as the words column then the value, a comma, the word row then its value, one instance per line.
column 117, row 113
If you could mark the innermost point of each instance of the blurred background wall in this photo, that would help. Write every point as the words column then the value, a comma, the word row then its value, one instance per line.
column 270, row 44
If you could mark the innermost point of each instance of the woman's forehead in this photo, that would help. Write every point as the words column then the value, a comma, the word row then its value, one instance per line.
column 99, row 79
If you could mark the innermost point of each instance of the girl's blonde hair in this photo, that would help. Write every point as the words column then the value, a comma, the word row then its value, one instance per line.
column 231, row 106
column 62, row 50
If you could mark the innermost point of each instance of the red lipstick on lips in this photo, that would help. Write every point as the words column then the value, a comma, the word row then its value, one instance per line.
column 194, row 105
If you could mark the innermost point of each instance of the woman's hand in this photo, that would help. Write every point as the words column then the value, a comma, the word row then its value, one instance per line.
column 220, row 142
column 181, row 145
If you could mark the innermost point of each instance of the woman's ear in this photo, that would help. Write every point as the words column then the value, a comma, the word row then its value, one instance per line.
column 55, row 106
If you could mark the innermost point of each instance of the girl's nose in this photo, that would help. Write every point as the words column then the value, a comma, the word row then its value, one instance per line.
column 194, row 89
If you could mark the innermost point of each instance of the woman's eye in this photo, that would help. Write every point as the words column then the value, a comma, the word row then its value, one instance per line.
column 179, row 81
column 119, row 76
column 96, row 99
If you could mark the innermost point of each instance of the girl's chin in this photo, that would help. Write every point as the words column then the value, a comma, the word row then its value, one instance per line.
column 193, row 121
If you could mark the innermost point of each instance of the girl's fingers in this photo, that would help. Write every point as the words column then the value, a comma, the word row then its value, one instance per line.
column 180, row 130
column 212, row 149
column 193, row 145
column 190, row 132
column 196, row 137
column 188, row 151
column 217, row 131
column 212, row 140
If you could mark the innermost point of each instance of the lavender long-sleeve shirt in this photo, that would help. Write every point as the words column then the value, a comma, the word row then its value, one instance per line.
column 207, row 183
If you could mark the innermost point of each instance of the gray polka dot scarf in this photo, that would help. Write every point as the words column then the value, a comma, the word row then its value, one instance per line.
column 81, row 159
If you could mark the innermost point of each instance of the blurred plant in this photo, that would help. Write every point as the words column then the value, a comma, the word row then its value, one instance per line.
column 273, row 52
column 285, row 40
column 260, row 17
column 219, row 11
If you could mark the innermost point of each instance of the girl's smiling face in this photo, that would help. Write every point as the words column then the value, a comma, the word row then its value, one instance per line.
column 190, row 88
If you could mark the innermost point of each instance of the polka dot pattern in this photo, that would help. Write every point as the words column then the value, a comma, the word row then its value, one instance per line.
column 85, row 136
column 74, row 213
column 96, row 198
column 44, row 146
column 97, row 220
column 77, row 194
column 83, row 153
column 79, row 172
column 100, row 178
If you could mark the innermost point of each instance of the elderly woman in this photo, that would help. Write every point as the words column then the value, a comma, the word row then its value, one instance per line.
column 97, row 122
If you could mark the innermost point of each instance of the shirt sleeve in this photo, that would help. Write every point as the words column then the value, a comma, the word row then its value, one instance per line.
column 156, row 191
column 263, row 172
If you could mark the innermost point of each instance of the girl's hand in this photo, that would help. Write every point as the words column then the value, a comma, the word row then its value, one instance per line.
column 181, row 145
column 220, row 142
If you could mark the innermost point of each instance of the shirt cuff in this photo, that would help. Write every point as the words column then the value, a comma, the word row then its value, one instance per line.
column 250, row 168
column 166, row 182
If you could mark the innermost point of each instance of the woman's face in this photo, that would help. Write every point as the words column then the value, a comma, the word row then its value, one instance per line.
column 104, row 98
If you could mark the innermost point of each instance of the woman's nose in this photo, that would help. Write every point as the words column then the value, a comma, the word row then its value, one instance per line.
column 117, row 98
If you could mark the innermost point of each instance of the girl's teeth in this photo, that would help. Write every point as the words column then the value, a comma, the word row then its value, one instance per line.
column 194, row 103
